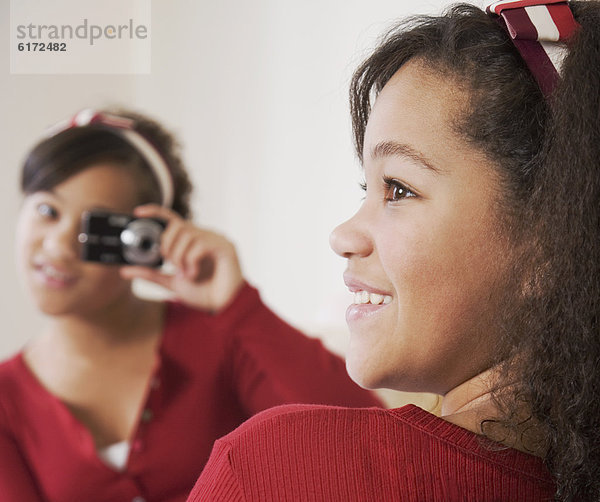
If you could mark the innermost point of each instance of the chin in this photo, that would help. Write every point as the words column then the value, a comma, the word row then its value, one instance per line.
column 54, row 306
column 53, row 310
column 361, row 374
column 373, row 377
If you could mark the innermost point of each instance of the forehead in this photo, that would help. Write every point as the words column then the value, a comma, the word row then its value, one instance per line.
column 419, row 106
column 421, row 110
column 100, row 185
column 424, row 109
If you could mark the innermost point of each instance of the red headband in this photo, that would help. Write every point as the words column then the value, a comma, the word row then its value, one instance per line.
column 124, row 127
column 536, row 27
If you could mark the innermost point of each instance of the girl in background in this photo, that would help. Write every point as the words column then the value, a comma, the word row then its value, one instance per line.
column 121, row 398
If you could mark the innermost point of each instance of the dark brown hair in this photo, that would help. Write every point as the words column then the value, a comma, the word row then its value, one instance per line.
column 57, row 158
column 547, row 153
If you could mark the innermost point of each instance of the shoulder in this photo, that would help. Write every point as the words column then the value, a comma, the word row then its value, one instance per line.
column 398, row 436
column 11, row 372
column 410, row 416
column 308, row 422
column 15, row 385
column 293, row 452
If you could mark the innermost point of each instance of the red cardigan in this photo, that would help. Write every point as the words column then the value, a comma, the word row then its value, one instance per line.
column 214, row 372
column 330, row 454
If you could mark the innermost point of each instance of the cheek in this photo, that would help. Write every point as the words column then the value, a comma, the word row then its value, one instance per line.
column 103, row 279
column 100, row 286
column 416, row 256
column 441, row 269
column 24, row 244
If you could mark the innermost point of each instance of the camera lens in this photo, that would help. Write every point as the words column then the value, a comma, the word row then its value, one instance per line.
column 141, row 242
column 146, row 244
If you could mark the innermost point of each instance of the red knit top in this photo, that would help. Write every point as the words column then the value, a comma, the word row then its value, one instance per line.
column 212, row 373
column 331, row 454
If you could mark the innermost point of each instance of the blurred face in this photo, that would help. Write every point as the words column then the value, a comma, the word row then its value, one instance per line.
column 425, row 260
column 48, row 248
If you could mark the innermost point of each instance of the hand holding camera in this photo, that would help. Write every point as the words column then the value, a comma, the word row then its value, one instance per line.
column 208, row 273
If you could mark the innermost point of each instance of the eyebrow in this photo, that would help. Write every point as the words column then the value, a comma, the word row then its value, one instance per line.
column 395, row 149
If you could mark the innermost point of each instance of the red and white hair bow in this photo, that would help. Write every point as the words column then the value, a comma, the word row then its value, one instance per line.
column 537, row 28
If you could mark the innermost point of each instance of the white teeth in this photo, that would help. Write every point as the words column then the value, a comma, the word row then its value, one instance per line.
column 55, row 274
column 376, row 299
column 363, row 297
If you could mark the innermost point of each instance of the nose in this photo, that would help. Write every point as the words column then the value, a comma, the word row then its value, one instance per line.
column 352, row 238
column 60, row 241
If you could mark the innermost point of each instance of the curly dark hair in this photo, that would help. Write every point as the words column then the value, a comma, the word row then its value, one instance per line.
column 57, row 158
column 547, row 153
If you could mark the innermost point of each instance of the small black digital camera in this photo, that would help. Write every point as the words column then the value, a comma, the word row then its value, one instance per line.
column 114, row 238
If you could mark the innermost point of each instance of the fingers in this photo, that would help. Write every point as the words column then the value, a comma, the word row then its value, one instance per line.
column 148, row 274
column 200, row 259
column 178, row 235
column 198, row 265
column 195, row 252
column 175, row 239
column 155, row 211
column 175, row 227
column 180, row 250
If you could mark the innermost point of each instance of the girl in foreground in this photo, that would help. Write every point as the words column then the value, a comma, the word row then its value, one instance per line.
column 121, row 399
column 474, row 261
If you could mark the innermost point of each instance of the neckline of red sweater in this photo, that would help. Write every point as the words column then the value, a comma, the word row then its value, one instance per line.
column 471, row 443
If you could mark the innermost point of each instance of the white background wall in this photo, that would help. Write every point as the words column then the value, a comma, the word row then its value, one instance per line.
column 257, row 92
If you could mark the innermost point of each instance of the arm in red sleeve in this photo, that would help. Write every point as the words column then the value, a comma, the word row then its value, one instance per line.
column 274, row 363
column 217, row 482
column 16, row 482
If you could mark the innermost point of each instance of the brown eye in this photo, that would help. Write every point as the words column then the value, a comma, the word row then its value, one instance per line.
column 395, row 191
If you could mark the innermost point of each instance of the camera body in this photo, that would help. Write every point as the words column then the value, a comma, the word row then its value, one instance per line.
column 121, row 239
